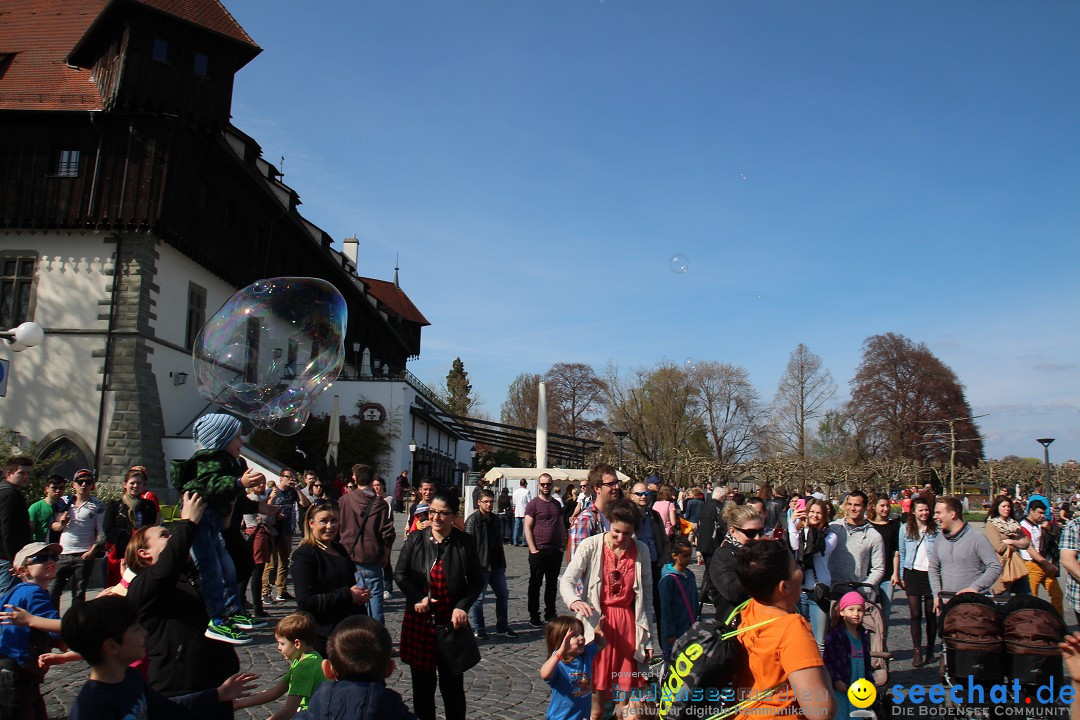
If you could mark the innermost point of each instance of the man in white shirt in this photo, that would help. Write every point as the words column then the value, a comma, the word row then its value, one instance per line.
column 520, row 498
column 1040, row 570
column 80, row 540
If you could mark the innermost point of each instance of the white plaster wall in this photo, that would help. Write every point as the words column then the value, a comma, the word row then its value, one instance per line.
column 54, row 386
column 181, row 404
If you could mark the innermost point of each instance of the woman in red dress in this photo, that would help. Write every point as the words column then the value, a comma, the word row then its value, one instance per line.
column 615, row 575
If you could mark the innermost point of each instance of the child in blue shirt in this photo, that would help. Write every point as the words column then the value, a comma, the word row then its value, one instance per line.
column 30, row 626
column 678, row 595
column 569, row 669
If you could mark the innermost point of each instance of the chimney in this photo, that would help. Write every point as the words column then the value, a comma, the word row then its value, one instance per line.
column 352, row 247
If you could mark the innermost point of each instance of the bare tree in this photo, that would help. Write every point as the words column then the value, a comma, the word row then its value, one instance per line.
column 803, row 390
column 657, row 406
column 575, row 395
column 729, row 409
column 902, row 400
column 521, row 398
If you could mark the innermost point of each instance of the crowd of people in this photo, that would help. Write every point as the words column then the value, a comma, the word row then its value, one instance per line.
column 161, row 638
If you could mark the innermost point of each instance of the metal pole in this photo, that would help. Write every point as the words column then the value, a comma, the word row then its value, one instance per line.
column 1045, row 442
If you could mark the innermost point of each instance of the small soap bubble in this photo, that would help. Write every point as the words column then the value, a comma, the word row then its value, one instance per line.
column 679, row 264
column 690, row 364
column 271, row 349
column 742, row 176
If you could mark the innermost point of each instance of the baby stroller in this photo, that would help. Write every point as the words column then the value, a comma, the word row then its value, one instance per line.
column 874, row 621
column 994, row 641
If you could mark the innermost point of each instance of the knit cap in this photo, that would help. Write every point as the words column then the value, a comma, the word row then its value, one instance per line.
column 215, row 431
column 851, row 598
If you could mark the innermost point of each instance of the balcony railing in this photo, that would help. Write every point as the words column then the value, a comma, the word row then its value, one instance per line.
column 351, row 373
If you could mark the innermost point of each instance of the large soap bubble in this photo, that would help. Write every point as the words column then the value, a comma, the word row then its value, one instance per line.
column 271, row 349
column 679, row 264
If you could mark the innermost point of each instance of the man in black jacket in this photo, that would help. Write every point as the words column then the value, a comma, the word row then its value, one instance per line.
column 14, row 517
column 710, row 531
column 651, row 532
column 486, row 530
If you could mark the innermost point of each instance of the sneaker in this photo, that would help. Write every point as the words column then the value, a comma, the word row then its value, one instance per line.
column 284, row 595
column 226, row 633
column 268, row 599
column 506, row 633
column 481, row 635
column 386, row 595
column 246, row 622
column 536, row 623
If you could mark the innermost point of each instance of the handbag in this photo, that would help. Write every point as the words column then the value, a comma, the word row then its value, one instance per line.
column 457, row 647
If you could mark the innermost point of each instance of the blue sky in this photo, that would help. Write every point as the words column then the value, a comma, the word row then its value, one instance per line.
column 831, row 170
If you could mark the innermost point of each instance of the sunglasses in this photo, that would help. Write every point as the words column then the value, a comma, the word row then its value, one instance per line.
column 83, row 482
column 544, row 484
column 750, row 533
column 642, row 494
column 612, row 484
column 616, row 582
column 42, row 558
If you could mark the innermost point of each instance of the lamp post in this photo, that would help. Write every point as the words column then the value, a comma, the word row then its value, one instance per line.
column 1045, row 442
column 620, row 434
column 412, row 456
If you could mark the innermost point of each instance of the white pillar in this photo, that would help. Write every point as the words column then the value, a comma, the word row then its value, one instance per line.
column 541, row 428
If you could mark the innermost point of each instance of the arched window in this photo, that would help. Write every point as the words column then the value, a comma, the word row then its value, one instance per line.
column 63, row 453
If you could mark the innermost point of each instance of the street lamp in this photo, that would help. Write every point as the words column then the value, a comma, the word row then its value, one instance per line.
column 620, row 434
column 1045, row 442
column 26, row 335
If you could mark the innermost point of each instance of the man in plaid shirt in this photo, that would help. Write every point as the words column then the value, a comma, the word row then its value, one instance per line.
column 1070, row 544
column 606, row 489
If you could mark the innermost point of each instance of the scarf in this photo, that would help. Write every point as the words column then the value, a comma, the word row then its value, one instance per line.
column 729, row 538
column 1006, row 526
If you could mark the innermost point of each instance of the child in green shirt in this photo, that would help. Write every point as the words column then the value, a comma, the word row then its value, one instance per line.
column 295, row 635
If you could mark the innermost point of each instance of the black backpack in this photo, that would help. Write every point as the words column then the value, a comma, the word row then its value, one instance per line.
column 698, row 680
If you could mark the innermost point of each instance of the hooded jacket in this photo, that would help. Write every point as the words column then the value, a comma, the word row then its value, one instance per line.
column 859, row 555
column 211, row 473
column 353, row 700
column 675, row 617
column 367, row 541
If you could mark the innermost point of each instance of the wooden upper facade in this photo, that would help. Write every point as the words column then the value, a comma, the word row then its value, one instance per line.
column 114, row 118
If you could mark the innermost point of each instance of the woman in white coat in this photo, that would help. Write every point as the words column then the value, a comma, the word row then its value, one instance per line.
column 609, row 579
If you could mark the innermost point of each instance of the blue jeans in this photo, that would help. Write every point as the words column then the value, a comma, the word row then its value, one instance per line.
column 221, row 594
column 497, row 580
column 519, row 531
column 7, row 580
column 818, row 618
column 370, row 575
column 886, row 603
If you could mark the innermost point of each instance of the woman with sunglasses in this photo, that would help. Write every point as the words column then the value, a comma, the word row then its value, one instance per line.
column 323, row 575
column 182, row 658
column 615, row 574
column 813, row 543
column 744, row 524
column 439, row 572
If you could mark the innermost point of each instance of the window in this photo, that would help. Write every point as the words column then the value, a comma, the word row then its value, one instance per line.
column 67, row 163
column 161, row 50
column 196, row 313
column 202, row 64
column 16, row 282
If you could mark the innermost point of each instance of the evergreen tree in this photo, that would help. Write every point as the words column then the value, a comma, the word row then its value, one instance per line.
column 458, row 389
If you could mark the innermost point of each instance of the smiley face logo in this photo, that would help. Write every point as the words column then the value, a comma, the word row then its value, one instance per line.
column 862, row 693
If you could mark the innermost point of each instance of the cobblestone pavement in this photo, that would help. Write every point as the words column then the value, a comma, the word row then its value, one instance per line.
column 506, row 683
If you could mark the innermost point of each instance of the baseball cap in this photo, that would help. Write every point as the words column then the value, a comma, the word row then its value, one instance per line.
column 34, row 548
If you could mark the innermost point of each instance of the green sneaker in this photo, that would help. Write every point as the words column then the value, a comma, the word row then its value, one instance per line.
column 241, row 621
column 226, row 633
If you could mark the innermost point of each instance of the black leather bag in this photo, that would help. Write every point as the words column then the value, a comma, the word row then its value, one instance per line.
column 457, row 648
